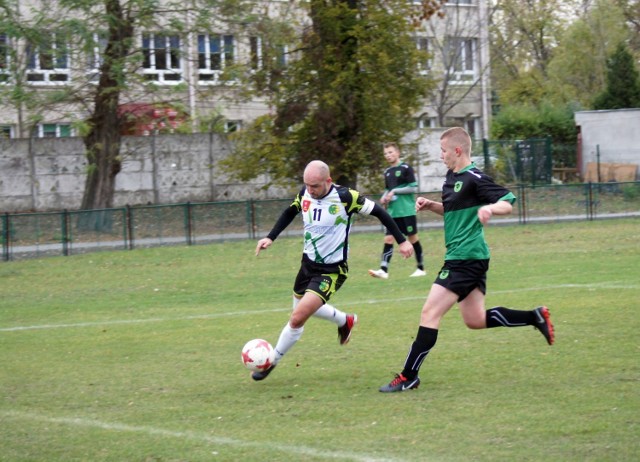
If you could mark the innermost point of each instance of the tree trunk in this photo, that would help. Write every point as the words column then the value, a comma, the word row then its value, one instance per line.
column 102, row 143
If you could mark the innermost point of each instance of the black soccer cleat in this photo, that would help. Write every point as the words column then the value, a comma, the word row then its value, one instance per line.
column 344, row 332
column 400, row 383
column 261, row 375
column 543, row 323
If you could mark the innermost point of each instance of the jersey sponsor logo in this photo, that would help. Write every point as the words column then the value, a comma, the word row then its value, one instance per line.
column 444, row 274
column 305, row 205
column 458, row 186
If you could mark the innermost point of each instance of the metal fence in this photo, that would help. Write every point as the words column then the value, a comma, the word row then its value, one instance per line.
column 32, row 235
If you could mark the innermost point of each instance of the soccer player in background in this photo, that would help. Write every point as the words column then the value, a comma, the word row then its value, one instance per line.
column 327, row 210
column 400, row 185
column 469, row 200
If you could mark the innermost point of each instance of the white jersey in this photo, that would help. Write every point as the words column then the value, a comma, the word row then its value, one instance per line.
column 327, row 222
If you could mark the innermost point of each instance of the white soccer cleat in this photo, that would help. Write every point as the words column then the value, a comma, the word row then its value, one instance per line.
column 418, row 273
column 381, row 274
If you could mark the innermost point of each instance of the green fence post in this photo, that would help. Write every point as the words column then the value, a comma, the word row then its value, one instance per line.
column 522, row 210
column 187, row 223
column 5, row 236
column 251, row 218
column 130, row 226
column 65, row 232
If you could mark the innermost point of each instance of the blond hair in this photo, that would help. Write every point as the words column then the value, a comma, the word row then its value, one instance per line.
column 458, row 136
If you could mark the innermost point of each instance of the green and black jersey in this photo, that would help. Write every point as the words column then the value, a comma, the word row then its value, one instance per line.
column 463, row 193
column 400, row 176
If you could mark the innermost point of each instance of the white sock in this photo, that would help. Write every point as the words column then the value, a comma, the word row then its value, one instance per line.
column 288, row 337
column 331, row 313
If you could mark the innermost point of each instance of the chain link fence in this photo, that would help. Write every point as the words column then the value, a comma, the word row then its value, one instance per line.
column 33, row 235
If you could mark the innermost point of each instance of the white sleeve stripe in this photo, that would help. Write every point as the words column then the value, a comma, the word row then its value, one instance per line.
column 367, row 207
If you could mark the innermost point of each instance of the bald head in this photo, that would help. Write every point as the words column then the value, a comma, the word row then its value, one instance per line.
column 317, row 179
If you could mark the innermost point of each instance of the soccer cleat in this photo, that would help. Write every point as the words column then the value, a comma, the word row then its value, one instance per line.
column 381, row 274
column 400, row 383
column 418, row 273
column 543, row 323
column 344, row 332
column 261, row 375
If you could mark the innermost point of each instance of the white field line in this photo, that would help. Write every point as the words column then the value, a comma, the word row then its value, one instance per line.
column 291, row 450
column 595, row 286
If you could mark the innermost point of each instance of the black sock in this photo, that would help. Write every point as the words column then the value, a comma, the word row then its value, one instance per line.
column 423, row 343
column 500, row 316
column 387, row 253
column 417, row 251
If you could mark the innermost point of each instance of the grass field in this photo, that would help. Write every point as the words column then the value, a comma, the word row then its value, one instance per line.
column 135, row 356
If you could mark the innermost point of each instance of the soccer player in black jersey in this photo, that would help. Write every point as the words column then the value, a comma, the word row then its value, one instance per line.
column 327, row 214
column 400, row 185
column 469, row 200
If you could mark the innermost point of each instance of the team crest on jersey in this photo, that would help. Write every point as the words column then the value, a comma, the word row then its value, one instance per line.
column 305, row 205
column 398, row 173
column 444, row 274
column 458, row 186
column 333, row 209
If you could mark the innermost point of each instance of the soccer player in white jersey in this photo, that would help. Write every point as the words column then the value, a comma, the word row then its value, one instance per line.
column 327, row 210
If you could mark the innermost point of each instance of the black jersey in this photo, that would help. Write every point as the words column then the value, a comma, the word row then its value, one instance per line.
column 463, row 193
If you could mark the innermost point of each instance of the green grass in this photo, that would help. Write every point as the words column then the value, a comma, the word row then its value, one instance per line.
column 135, row 356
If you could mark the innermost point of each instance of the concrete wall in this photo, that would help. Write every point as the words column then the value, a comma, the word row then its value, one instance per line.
column 614, row 134
column 49, row 174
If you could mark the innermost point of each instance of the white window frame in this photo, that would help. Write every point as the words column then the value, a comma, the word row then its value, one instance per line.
column 95, row 57
column 463, row 62
column 255, row 52
column 58, row 126
column 256, row 46
column 5, row 58
column 172, row 75
column 7, row 131
column 423, row 44
column 210, row 72
column 54, row 75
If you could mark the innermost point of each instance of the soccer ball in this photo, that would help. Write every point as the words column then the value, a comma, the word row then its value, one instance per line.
column 258, row 355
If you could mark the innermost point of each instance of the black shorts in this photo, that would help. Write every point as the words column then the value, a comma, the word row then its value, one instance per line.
column 462, row 276
column 408, row 225
column 322, row 280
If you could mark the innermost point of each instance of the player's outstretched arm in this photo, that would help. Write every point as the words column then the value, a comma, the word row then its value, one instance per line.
column 263, row 244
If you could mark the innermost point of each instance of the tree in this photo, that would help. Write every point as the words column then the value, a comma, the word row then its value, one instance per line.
column 354, row 83
column 524, row 37
column 461, row 67
column 623, row 82
column 577, row 70
column 97, row 47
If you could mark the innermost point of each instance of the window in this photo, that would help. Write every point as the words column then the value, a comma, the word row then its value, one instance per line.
column 469, row 123
column 461, row 60
column 54, row 130
column 48, row 60
column 424, row 122
column 255, row 45
column 161, row 58
column 215, row 52
column 95, row 56
column 6, row 131
column 259, row 52
column 422, row 44
column 5, row 58
column 231, row 126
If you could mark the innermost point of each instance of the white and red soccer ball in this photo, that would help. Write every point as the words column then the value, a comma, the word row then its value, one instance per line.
column 258, row 355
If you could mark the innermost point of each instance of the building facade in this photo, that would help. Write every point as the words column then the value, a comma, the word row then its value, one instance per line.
column 185, row 80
